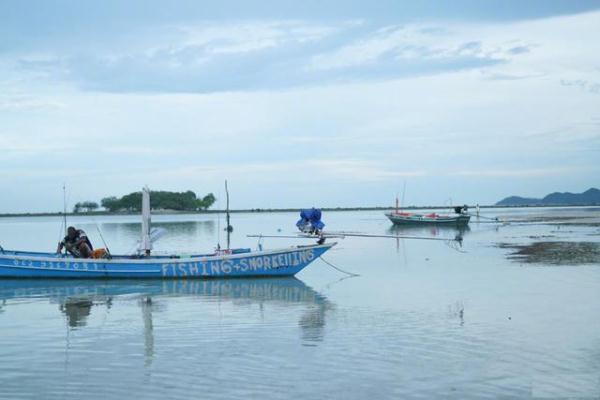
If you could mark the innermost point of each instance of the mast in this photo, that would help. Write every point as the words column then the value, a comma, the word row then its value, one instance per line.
column 229, row 227
column 403, row 191
column 64, row 215
column 146, row 242
column 65, row 207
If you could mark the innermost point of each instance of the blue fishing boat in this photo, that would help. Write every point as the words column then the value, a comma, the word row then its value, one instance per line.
column 229, row 263
column 238, row 263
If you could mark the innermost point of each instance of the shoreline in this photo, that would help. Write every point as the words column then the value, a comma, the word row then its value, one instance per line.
column 274, row 210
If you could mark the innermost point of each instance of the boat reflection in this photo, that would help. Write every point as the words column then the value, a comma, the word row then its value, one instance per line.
column 454, row 234
column 435, row 231
column 77, row 299
column 76, row 310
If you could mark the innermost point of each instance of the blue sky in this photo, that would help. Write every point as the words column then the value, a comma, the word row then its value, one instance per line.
column 298, row 103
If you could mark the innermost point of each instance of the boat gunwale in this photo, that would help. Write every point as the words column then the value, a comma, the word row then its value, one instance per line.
column 150, row 260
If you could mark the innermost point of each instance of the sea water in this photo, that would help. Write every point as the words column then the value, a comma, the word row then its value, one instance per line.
column 424, row 319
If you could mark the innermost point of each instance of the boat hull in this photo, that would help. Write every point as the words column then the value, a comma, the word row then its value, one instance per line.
column 283, row 262
column 419, row 219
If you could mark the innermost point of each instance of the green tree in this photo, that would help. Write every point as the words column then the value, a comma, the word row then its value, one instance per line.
column 207, row 201
column 179, row 201
column 111, row 204
column 85, row 206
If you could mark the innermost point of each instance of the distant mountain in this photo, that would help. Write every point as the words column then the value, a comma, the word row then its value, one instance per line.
column 518, row 201
column 589, row 197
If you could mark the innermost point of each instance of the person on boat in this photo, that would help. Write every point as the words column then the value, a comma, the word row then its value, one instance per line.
column 77, row 243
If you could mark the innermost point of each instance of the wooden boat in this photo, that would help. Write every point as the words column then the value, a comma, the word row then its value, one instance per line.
column 399, row 217
column 404, row 218
column 239, row 263
column 230, row 263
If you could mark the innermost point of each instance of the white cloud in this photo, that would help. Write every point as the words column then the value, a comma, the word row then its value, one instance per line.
column 591, row 87
column 250, row 36
column 197, row 44
column 523, row 172
column 421, row 42
column 317, row 170
column 26, row 103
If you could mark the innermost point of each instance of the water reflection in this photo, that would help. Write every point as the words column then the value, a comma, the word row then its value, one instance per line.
column 442, row 231
column 449, row 232
column 76, row 310
column 146, row 305
column 78, row 299
column 184, row 228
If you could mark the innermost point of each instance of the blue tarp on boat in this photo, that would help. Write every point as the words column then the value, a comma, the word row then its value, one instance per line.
column 310, row 220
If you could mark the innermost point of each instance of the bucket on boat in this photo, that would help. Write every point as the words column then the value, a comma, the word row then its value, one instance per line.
column 100, row 253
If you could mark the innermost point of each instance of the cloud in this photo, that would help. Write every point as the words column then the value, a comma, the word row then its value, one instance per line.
column 500, row 76
column 277, row 54
column 246, row 37
column 519, row 49
column 316, row 170
column 208, row 57
column 522, row 172
column 587, row 86
column 278, row 104
column 359, row 170
column 401, row 44
column 28, row 103
column 419, row 49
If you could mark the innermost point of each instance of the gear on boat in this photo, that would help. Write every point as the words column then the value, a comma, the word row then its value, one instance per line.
column 310, row 223
column 461, row 209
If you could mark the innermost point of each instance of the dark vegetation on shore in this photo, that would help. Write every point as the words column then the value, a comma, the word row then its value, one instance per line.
column 250, row 210
column 164, row 202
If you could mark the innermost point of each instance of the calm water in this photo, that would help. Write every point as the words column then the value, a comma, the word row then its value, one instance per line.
column 422, row 320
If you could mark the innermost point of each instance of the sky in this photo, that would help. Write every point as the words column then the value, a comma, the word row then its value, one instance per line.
column 298, row 104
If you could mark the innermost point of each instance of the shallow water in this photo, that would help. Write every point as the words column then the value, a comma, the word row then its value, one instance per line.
column 424, row 319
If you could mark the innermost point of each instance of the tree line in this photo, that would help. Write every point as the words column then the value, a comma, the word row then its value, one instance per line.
column 85, row 206
column 159, row 200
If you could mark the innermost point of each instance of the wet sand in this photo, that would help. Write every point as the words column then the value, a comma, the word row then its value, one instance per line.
column 563, row 243
column 555, row 253
column 567, row 216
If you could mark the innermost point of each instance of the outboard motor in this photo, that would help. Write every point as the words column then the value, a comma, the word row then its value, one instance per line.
column 310, row 221
column 461, row 209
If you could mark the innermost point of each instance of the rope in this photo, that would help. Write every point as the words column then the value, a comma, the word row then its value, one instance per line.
column 398, row 237
column 336, row 268
column 484, row 217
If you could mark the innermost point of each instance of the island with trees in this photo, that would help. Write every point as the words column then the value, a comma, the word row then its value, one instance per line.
column 159, row 200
